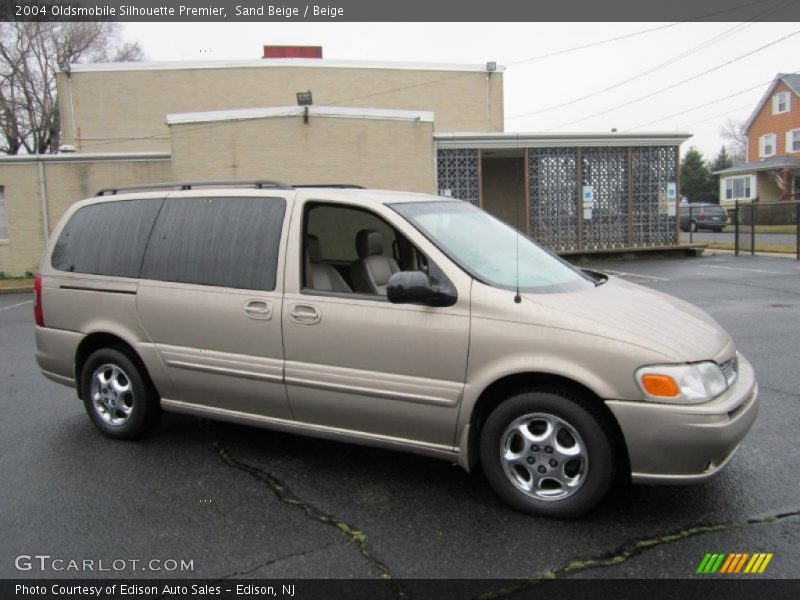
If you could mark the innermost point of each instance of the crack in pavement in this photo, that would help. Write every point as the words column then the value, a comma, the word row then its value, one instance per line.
column 273, row 561
column 285, row 495
column 631, row 549
column 260, row 565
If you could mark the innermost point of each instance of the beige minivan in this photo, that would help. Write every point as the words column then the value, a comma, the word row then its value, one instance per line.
column 406, row 321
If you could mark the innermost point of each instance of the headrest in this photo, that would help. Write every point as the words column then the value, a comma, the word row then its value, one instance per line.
column 313, row 249
column 369, row 243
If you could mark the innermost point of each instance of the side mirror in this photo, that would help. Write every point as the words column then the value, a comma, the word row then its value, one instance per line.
column 414, row 287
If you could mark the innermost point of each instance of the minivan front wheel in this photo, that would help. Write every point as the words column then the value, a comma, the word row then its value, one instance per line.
column 548, row 453
column 117, row 397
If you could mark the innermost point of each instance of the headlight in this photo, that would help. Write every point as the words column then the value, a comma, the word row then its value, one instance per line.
column 682, row 384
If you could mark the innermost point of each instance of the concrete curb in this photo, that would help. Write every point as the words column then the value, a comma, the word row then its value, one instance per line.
column 17, row 290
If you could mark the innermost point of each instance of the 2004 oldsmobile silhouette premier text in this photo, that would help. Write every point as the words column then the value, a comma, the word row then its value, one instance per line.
column 400, row 320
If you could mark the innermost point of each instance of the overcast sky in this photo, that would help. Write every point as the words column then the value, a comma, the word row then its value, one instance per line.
column 544, row 82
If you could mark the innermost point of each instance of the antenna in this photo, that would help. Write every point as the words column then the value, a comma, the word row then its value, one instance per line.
column 517, row 297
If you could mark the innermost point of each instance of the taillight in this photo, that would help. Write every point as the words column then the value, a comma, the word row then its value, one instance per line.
column 38, row 313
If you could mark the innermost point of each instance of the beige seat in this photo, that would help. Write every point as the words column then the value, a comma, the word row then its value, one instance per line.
column 321, row 276
column 371, row 272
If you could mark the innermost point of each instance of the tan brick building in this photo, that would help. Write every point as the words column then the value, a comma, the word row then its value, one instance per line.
column 420, row 127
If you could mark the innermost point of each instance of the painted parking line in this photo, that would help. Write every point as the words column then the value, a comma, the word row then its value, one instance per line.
column 644, row 278
column 740, row 269
column 16, row 305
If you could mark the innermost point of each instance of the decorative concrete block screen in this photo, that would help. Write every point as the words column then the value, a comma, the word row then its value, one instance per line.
column 585, row 198
column 631, row 190
column 654, row 168
column 553, row 194
column 457, row 173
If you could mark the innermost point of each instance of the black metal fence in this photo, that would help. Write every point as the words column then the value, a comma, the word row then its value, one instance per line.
column 767, row 227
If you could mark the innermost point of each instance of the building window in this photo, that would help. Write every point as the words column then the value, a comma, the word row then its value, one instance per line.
column 737, row 188
column 766, row 145
column 780, row 103
column 3, row 217
column 793, row 140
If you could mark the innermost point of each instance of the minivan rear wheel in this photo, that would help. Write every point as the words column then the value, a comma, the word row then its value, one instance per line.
column 118, row 398
column 548, row 453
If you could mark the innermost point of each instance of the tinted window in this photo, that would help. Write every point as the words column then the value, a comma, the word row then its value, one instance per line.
column 227, row 242
column 106, row 239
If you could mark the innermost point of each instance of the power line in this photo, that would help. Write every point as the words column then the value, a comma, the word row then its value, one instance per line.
column 634, row 34
column 699, row 106
column 722, row 114
column 624, row 81
column 679, row 83
column 706, row 44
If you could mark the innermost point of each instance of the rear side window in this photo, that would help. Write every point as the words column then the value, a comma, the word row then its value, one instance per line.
column 106, row 239
column 226, row 242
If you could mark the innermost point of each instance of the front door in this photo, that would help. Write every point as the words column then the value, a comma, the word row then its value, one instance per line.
column 354, row 361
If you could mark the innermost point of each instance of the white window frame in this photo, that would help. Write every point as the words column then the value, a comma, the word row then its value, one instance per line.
column 746, row 188
column 776, row 101
column 792, row 141
column 762, row 145
column 3, row 217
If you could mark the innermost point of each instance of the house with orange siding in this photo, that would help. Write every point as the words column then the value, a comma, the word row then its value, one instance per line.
column 772, row 170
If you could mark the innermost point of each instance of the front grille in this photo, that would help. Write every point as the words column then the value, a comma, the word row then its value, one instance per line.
column 730, row 368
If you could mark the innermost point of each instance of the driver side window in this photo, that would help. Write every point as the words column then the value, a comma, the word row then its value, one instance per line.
column 347, row 249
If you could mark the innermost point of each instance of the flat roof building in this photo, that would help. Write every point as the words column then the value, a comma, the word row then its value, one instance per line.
column 435, row 128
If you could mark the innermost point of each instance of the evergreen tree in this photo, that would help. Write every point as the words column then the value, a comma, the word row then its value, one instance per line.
column 697, row 183
column 723, row 160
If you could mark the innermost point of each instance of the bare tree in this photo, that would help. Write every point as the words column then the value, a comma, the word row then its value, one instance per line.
column 734, row 133
column 30, row 57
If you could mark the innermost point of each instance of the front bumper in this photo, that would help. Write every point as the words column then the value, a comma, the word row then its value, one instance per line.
column 671, row 443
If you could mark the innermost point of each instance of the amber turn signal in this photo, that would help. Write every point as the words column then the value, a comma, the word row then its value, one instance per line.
column 661, row 386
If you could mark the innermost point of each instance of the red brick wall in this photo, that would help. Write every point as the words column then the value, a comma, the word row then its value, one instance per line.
column 766, row 122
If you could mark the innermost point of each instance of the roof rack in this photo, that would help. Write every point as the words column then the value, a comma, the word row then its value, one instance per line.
column 341, row 186
column 188, row 185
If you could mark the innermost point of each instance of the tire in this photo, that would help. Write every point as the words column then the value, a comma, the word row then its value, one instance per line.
column 118, row 395
column 579, row 441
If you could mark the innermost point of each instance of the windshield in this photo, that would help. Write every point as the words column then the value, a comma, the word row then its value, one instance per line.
column 487, row 248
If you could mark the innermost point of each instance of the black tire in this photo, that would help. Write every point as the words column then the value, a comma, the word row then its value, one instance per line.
column 593, row 476
column 136, row 410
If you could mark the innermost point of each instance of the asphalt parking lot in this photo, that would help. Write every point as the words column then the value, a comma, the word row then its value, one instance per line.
column 244, row 502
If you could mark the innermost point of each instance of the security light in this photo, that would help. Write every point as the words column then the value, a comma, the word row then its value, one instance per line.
column 304, row 98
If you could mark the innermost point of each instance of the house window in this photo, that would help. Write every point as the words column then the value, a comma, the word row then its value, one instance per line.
column 793, row 140
column 3, row 217
column 737, row 188
column 780, row 103
column 766, row 145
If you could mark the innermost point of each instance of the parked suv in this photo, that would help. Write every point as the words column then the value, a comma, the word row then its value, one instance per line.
column 400, row 320
column 702, row 216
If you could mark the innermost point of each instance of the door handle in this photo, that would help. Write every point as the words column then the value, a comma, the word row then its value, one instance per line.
column 258, row 309
column 304, row 314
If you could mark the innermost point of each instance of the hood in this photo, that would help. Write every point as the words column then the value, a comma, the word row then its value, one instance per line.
column 637, row 315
